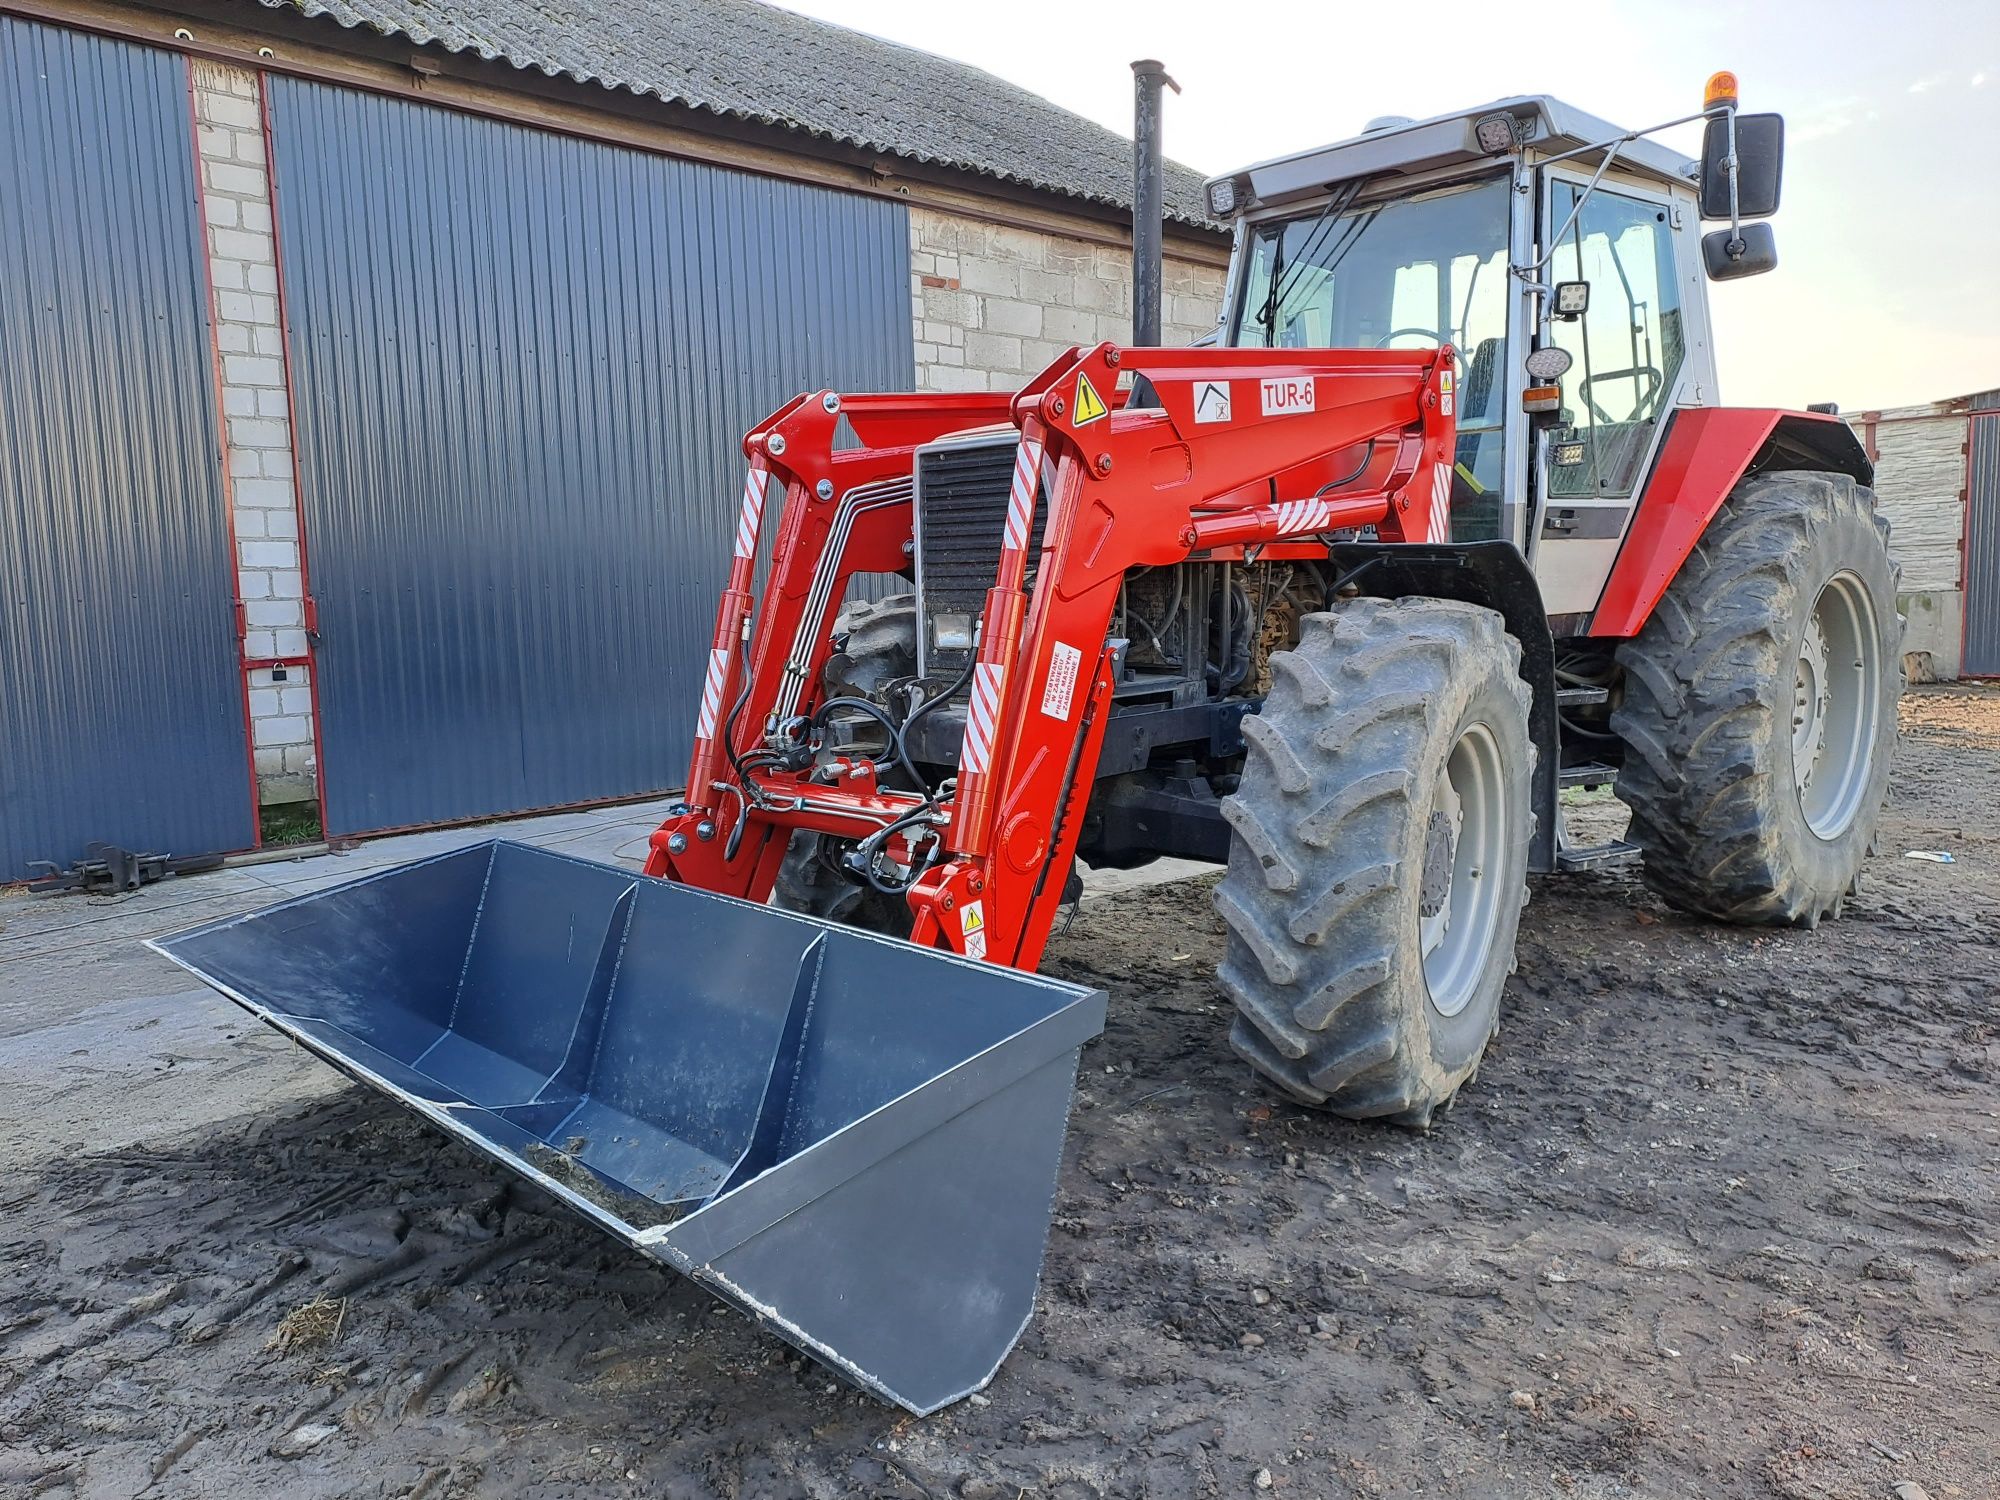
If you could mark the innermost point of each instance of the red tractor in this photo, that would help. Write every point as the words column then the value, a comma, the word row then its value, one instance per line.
column 1444, row 520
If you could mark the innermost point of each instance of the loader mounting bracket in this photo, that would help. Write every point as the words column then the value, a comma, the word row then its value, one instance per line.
column 1495, row 576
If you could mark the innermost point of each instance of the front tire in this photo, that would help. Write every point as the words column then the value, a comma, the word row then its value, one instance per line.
column 1379, row 863
column 1759, row 709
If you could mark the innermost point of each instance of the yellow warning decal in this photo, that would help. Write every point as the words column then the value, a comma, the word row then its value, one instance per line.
column 1089, row 405
column 973, row 917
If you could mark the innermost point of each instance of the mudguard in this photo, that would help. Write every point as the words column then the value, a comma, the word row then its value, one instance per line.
column 1705, row 454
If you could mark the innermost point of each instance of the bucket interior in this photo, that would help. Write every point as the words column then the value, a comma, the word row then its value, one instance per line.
column 648, row 1045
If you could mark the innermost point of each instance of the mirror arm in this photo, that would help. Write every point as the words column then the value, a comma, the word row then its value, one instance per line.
column 1610, row 150
column 1732, row 170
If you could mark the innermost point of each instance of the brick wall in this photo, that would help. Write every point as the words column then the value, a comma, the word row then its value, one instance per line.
column 991, row 305
column 243, row 269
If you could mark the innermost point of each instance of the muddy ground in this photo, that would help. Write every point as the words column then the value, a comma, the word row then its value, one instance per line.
column 1720, row 1217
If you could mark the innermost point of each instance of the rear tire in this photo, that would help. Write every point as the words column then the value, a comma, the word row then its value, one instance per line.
column 1759, row 709
column 1379, row 863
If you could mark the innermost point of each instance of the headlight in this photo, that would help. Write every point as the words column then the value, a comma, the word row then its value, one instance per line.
column 1222, row 198
column 1497, row 134
column 1548, row 365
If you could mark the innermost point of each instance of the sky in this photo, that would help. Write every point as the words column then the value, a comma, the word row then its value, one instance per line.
column 1887, row 291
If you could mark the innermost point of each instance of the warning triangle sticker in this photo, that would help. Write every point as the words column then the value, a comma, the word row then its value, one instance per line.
column 1089, row 405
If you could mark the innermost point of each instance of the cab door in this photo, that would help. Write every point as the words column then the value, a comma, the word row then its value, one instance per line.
column 1630, row 366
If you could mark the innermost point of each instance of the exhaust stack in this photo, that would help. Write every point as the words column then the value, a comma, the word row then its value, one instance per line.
column 1148, row 198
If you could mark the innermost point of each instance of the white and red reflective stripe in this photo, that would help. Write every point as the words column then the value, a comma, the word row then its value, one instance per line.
column 752, row 514
column 1440, row 527
column 711, row 693
column 1021, row 498
column 1296, row 516
column 982, row 715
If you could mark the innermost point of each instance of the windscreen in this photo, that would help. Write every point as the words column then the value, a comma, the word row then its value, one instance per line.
column 1409, row 273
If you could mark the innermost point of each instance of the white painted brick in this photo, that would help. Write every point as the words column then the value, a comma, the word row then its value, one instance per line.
column 215, row 140
column 249, row 146
column 946, row 378
column 263, row 308
column 1070, row 325
column 254, row 250
column 990, row 276
column 1024, row 318
column 224, row 272
column 265, row 492
column 230, row 109
column 263, row 701
column 269, row 554
column 253, row 584
column 295, row 729
column 951, row 356
column 260, row 643
column 250, row 523
column 232, row 338
column 993, row 351
column 300, row 759
column 271, row 403
column 292, row 643
column 267, row 340
column 236, row 305
column 272, row 614
column 287, row 583
column 281, row 523
column 296, row 700
column 270, row 760
column 237, row 402
column 1050, row 288
column 235, row 177
column 248, row 369
column 220, row 211
column 262, row 278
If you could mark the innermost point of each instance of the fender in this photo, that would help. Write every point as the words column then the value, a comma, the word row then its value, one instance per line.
column 1707, row 452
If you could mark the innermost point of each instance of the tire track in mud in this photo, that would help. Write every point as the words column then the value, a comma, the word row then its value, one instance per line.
column 1718, row 1216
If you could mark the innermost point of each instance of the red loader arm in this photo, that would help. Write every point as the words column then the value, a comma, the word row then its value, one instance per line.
column 1248, row 453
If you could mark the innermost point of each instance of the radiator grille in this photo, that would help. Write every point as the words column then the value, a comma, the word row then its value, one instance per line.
column 961, row 509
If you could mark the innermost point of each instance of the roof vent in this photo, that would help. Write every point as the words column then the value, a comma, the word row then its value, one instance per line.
column 1386, row 122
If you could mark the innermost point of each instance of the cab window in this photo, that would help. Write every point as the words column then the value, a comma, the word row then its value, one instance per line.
column 1626, row 349
column 1410, row 273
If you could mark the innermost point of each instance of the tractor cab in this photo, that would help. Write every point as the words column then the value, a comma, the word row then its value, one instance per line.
column 1561, row 257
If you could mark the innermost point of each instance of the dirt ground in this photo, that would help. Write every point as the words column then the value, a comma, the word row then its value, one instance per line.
column 1720, row 1217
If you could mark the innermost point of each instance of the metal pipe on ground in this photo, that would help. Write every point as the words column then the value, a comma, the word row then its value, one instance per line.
column 1149, row 75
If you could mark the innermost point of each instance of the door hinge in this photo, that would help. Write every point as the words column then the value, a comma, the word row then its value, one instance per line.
column 312, row 620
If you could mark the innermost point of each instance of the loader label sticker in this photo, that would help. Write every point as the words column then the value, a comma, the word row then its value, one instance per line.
column 1445, row 383
column 1064, row 660
column 1287, row 396
column 972, row 923
column 1211, row 401
column 1089, row 405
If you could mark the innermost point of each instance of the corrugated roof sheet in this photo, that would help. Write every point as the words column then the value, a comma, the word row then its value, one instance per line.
column 752, row 61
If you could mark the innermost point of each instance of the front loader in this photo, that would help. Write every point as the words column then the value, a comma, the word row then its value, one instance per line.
column 1443, row 521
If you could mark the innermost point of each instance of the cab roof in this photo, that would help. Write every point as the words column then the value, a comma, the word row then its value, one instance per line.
column 1407, row 148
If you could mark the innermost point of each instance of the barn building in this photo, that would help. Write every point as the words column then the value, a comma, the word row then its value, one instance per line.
column 373, row 373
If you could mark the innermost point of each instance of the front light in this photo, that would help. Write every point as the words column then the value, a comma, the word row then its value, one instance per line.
column 1497, row 134
column 1546, row 366
column 1222, row 198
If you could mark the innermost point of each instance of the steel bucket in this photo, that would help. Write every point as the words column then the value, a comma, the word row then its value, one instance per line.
column 853, row 1139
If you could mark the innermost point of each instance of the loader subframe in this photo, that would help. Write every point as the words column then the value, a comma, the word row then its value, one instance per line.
column 1235, row 454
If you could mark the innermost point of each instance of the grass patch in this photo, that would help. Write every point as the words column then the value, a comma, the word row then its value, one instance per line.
column 285, row 824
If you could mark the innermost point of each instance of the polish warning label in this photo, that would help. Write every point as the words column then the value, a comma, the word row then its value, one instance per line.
column 1060, row 690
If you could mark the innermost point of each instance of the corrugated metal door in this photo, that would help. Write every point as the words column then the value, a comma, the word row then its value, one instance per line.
column 1982, row 548
column 522, row 367
column 121, row 707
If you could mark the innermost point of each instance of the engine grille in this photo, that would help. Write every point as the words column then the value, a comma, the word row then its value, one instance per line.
column 961, row 509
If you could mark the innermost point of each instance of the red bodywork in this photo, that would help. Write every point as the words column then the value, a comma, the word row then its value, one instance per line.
column 1705, row 453
column 1249, row 453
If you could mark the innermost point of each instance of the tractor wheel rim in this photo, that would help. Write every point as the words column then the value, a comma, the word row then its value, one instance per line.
column 1458, row 939
column 1836, row 706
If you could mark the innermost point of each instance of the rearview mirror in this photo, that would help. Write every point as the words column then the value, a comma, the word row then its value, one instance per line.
column 1760, row 166
column 1755, row 253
